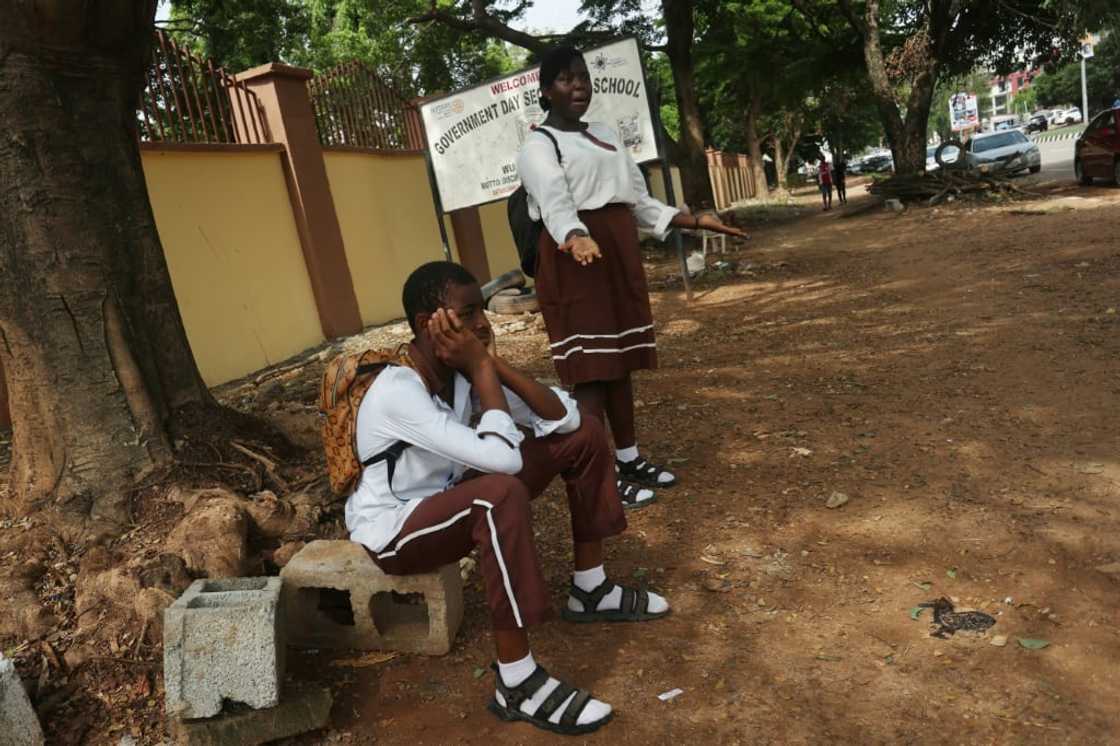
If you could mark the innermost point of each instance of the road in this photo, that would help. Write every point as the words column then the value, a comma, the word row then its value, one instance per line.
column 1057, row 159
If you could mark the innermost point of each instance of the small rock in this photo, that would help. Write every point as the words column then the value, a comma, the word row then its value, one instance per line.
column 836, row 499
column 999, row 641
column 894, row 204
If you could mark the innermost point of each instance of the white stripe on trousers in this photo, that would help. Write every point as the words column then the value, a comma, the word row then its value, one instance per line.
column 615, row 351
column 493, row 539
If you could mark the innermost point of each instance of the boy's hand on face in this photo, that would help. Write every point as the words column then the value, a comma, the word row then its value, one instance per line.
column 456, row 346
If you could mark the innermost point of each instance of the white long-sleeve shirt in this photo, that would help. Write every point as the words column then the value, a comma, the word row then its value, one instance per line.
column 442, row 446
column 591, row 176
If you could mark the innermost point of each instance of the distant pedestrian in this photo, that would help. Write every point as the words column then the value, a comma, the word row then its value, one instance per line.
column 839, row 174
column 824, row 178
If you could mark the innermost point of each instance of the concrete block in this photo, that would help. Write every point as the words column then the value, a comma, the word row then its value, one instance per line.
column 303, row 708
column 223, row 640
column 335, row 597
column 19, row 726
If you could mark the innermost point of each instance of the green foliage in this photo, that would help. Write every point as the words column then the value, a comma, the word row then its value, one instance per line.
column 1062, row 86
column 420, row 59
column 242, row 33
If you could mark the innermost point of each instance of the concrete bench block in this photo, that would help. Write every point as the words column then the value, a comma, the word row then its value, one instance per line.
column 223, row 640
column 335, row 597
column 305, row 707
column 19, row 726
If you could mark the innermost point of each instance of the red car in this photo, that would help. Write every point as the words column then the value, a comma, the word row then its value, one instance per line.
column 1096, row 154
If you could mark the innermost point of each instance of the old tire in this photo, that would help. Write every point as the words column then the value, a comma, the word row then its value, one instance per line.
column 961, row 161
column 512, row 279
column 526, row 302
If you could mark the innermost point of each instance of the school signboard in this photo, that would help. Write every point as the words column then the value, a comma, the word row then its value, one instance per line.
column 474, row 135
column 963, row 112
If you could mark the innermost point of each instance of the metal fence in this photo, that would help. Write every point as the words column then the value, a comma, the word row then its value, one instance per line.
column 354, row 108
column 186, row 99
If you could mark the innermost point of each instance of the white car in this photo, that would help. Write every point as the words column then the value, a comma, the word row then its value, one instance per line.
column 1009, row 151
column 1070, row 116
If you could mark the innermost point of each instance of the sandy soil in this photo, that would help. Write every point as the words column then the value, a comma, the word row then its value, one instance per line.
column 955, row 373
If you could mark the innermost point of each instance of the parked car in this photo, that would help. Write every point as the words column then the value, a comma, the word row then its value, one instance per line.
column 1071, row 116
column 1003, row 151
column 1096, row 152
column 1038, row 122
column 877, row 164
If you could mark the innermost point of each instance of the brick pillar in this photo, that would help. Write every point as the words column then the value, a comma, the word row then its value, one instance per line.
column 466, row 224
column 282, row 92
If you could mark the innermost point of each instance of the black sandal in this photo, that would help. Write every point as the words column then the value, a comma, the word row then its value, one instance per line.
column 643, row 472
column 516, row 695
column 628, row 493
column 633, row 608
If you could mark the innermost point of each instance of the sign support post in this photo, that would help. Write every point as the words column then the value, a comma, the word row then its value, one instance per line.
column 436, row 200
column 667, row 176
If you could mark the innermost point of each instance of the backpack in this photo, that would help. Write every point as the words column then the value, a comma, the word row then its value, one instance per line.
column 345, row 381
column 526, row 231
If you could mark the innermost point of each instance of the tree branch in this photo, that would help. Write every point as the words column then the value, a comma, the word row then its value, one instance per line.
column 482, row 22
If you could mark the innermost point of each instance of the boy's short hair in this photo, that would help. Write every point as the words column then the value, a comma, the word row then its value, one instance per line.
column 425, row 289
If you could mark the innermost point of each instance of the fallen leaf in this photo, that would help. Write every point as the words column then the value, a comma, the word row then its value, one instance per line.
column 799, row 451
column 999, row 641
column 1033, row 644
column 916, row 612
column 952, row 572
column 925, row 585
column 479, row 673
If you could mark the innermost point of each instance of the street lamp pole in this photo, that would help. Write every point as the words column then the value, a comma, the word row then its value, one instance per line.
column 1084, row 93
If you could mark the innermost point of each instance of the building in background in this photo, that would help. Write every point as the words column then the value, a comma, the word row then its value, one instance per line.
column 1004, row 89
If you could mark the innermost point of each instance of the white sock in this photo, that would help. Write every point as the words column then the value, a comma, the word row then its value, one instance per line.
column 589, row 580
column 514, row 673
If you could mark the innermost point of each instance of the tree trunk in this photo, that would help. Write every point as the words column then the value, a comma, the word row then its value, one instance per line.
column 907, row 137
column 679, row 30
column 91, row 340
column 754, row 147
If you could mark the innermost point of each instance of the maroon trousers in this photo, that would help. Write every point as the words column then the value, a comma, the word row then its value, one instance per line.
column 492, row 512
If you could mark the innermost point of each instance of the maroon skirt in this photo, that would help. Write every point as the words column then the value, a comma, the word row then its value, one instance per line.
column 598, row 318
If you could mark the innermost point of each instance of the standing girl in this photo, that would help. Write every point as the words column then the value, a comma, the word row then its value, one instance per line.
column 582, row 182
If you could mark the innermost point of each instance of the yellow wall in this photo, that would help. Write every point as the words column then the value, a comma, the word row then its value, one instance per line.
column 657, row 183
column 227, row 230
column 500, row 251
column 384, row 206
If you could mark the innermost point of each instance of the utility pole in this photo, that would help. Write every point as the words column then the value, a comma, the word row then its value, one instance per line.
column 1086, row 53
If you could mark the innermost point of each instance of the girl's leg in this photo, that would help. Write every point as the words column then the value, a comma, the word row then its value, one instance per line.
column 620, row 411
column 592, row 396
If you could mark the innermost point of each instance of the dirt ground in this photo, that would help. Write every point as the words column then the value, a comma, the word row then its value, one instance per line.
column 955, row 372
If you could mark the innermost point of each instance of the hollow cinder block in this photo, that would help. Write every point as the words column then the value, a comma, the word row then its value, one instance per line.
column 335, row 597
column 19, row 726
column 223, row 640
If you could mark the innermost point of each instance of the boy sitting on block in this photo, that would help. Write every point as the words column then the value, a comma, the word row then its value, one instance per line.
column 434, row 487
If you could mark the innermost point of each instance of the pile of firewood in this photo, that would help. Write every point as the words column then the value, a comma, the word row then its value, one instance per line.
column 940, row 185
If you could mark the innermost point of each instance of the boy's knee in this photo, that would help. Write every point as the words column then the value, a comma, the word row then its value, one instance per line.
column 504, row 492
